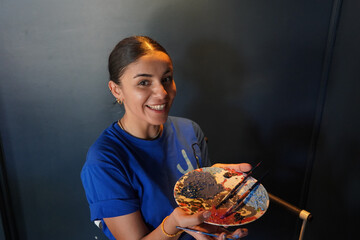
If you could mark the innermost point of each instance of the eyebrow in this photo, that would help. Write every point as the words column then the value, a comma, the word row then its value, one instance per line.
column 149, row 75
column 142, row 75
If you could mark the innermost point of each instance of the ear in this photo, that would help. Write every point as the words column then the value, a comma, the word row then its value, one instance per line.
column 115, row 89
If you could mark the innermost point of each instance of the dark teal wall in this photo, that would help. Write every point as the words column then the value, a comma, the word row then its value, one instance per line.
column 266, row 80
column 334, row 194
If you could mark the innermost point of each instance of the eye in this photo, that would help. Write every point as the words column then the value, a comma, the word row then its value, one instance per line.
column 167, row 79
column 144, row 83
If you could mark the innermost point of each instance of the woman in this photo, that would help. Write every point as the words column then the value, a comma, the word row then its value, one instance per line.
column 133, row 166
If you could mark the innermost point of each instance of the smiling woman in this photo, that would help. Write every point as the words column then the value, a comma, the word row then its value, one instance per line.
column 133, row 166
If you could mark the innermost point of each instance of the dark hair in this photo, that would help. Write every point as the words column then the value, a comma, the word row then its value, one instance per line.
column 128, row 51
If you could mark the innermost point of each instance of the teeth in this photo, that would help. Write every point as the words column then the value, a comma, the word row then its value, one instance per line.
column 157, row 107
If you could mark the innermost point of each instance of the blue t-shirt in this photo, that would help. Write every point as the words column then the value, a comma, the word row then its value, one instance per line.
column 123, row 174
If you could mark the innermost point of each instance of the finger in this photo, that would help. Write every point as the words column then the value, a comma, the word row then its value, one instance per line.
column 244, row 167
column 240, row 167
column 199, row 218
column 239, row 233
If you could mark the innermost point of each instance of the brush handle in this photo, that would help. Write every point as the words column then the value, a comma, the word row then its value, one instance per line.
column 239, row 203
column 200, row 232
column 235, row 189
column 236, row 205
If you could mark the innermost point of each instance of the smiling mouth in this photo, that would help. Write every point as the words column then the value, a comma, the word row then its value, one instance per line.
column 156, row 107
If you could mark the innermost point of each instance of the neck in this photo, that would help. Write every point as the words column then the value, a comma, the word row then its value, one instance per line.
column 148, row 133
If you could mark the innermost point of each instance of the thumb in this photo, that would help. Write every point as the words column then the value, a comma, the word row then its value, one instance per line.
column 195, row 219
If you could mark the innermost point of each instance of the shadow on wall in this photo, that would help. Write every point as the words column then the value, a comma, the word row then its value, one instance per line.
column 216, row 72
column 210, row 73
column 15, row 209
column 250, row 111
column 218, row 75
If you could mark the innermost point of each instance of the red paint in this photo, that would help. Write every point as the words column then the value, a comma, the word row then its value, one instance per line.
column 216, row 217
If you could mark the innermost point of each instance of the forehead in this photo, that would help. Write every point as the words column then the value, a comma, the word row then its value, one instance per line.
column 151, row 62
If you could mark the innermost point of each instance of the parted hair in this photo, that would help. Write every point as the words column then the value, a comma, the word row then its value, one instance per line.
column 128, row 51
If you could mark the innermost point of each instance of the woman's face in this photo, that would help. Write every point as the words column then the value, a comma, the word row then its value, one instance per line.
column 148, row 89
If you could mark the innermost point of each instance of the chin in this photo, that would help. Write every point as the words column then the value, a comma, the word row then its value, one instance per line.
column 159, row 121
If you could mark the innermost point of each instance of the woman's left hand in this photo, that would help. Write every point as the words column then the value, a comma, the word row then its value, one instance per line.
column 196, row 221
column 240, row 167
column 220, row 231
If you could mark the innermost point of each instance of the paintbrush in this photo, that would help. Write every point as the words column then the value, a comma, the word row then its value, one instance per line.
column 241, row 201
column 204, row 233
column 236, row 188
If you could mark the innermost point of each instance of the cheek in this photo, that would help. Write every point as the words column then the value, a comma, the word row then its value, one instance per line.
column 136, row 99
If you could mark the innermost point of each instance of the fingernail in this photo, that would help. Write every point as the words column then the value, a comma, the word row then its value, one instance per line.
column 236, row 236
column 206, row 214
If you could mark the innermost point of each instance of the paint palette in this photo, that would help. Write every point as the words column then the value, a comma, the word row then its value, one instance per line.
column 203, row 188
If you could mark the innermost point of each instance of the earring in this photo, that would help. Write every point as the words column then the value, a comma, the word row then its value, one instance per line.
column 119, row 101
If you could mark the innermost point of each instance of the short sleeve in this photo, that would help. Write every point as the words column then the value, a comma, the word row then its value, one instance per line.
column 108, row 191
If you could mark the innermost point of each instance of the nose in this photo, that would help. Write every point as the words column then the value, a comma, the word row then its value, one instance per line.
column 160, row 91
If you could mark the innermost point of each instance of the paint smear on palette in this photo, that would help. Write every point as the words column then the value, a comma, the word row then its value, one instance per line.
column 202, row 189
